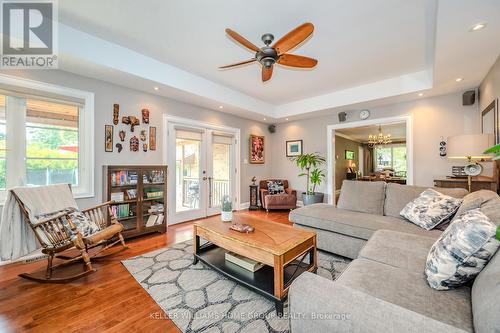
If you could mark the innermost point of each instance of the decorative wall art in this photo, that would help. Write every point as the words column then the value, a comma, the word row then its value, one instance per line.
column 116, row 113
column 256, row 149
column 144, row 147
column 145, row 116
column 152, row 138
column 134, row 143
column 349, row 155
column 132, row 121
column 119, row 146
column 143, row 135
column 108, row 138
column 121, row 135
column 293, row 148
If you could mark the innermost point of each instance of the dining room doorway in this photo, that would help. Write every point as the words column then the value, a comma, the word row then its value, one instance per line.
column 371, row 150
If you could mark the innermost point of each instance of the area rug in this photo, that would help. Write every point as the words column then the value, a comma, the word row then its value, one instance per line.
column 198, row 299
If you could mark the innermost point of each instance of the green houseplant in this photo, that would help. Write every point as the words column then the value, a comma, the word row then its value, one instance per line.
column 310, row 164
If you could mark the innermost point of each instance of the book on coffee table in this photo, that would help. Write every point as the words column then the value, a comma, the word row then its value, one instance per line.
column 244, row 262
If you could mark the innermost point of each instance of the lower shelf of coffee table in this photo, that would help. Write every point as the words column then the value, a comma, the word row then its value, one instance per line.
column 261, row 281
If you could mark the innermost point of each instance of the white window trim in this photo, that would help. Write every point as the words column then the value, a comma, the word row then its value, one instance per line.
column 86, row 126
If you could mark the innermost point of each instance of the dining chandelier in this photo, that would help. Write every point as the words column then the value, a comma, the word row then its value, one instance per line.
column 380, row 139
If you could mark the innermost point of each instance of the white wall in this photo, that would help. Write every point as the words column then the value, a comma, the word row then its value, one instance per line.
column 490, row 87
column 433, row 118
column 131, row 102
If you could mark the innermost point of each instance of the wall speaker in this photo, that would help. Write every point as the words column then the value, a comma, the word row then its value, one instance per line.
column 342, row 117
column 272, row 128
column 469, row 97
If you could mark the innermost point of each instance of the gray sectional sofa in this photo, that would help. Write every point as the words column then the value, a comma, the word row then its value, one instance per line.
column 384, row 289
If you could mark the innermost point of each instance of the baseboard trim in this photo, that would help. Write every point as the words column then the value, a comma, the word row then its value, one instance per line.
column 244, row 205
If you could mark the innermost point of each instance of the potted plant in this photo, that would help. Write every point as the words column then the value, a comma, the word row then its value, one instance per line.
column 309, row 164
column 226, row 209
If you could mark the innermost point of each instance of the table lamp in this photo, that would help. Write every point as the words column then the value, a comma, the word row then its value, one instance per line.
column 470, row 147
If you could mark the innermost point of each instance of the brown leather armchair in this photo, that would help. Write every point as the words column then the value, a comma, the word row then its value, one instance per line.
column 287, row 200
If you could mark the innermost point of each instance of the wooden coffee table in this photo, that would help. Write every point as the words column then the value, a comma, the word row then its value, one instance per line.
column 280, row 247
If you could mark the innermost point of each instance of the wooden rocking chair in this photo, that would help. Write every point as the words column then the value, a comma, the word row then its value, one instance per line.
column 56, row 238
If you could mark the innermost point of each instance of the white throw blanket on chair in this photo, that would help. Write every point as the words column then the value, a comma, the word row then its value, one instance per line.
column 17, row 239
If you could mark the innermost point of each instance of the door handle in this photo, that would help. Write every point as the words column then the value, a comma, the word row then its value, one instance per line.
column 204, row 178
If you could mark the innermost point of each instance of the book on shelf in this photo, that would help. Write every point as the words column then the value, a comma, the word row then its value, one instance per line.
column 120, row 178
column 151, row 220
column 154, row 194
column 131, row 193
column 156, row 208
column 121, row 211
column 244, row 262
column 117, row 196
column 159, row 220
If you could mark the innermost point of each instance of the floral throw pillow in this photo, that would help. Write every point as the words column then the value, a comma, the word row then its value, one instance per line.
column 430, row 209
column 82, row 223
column 462, row 251
column 275, row 187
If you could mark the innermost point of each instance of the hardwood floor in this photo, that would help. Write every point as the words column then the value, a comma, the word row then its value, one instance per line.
column 109, row 300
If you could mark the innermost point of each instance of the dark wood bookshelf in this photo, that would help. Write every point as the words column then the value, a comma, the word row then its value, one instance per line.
column 141, row 179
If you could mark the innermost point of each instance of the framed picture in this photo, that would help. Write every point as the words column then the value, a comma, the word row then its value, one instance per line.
column 349, row 155
column 152, row 138
column 108, row 138
column 256, row 149
column 293, row 148
column 490, row 124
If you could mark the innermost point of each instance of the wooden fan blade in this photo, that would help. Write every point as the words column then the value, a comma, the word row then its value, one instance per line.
column 294, row 60
column 239, row 63
column 267, row 72
column 242, row 40
column 293, row 38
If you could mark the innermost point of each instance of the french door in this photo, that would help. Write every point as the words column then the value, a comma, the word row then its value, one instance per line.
column 203, row 161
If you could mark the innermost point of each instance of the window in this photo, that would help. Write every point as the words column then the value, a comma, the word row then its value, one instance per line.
column 46, row 141
column 391, row 157
column 51, row 143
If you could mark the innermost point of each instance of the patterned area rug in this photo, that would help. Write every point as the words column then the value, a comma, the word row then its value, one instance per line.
column 198, row 299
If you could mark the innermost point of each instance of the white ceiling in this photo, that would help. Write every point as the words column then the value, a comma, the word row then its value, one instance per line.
column 367, row 50
column 360, row 134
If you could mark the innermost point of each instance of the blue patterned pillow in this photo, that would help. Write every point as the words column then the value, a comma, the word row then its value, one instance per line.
column 462, row 251
column 82, row 223
column 430, row 209
column 275, row 187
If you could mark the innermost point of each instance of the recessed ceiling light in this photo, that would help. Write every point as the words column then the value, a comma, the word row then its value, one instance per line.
column 459, row 79
column 221, row 107
column 421, row 94
column 478, row 26
column 156, row 88
column 264, row 119
column 286, row 119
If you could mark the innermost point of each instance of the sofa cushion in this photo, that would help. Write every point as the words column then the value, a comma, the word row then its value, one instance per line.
column 462, row 251
column 350, row 223
column 477, row 200
column 430, row 209
column 486, row 296
column 399, row 249
column 398, row 196
column 409, row 292
column 364, row 197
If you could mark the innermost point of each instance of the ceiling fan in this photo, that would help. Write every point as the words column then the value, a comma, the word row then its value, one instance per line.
column 268, row 55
